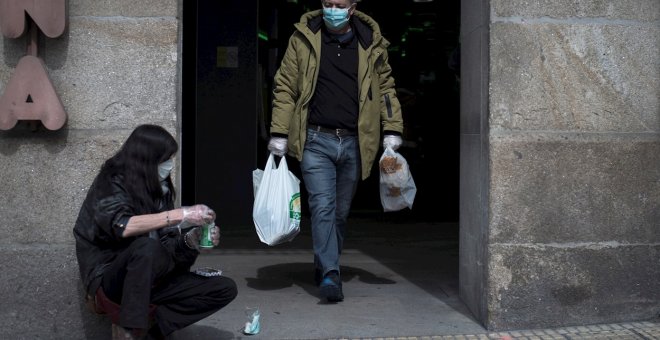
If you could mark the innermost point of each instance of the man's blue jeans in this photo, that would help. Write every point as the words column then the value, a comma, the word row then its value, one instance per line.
column 331, row 170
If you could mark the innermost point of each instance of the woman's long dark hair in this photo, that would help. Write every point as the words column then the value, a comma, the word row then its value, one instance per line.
column 136, row 166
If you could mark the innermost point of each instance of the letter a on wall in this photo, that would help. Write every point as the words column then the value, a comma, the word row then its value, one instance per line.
column 30, row 95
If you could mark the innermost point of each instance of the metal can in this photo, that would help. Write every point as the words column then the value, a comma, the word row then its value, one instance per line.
column 206, row 241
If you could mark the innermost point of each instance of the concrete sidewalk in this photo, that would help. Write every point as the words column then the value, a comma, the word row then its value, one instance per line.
column 400, row 282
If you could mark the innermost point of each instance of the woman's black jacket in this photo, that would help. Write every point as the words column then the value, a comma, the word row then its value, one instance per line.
column 99, row 227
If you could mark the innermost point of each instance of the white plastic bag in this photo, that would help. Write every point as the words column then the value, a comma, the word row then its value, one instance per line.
column 276, row 211
column 397, row 187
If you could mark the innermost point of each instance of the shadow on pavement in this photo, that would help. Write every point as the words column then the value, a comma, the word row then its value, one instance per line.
column 423, row 253
column 199, row 332
column 300, row 274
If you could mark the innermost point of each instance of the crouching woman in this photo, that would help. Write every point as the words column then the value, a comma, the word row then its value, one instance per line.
column 135, row 250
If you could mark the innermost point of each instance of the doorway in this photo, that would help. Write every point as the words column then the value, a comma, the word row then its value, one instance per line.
column 226, row 102
column 225, row 118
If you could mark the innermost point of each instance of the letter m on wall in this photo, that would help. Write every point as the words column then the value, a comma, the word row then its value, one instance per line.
column 49, row 15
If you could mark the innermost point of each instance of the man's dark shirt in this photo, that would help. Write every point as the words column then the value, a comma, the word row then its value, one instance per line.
column 335, row 101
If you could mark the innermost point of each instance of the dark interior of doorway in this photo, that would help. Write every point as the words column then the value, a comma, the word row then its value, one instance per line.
column 424, row 55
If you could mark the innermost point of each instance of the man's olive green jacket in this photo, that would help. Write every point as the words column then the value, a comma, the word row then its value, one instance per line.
column 295, row 82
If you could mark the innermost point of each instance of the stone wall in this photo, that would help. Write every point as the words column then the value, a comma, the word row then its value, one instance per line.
column 574, row 152
column 474, row 170
column 115, row 67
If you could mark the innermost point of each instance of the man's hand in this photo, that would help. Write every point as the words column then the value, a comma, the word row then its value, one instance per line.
column 278, row 146
column 392, row 141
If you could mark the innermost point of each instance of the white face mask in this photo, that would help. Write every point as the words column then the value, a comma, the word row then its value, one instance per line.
column 165, row 168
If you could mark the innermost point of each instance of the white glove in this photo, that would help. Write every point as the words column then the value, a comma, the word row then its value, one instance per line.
column 197, row 215
column 278, row 146
column 392, row 141
column 192, row 237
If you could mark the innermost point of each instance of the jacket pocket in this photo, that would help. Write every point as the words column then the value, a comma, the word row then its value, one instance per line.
column 388, row 105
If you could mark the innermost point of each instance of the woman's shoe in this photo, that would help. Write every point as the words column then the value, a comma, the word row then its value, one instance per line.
column 121, row 333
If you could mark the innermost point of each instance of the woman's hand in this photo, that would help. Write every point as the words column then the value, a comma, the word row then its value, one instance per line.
column 197, row 215
column 193, row 236
column 215, row 235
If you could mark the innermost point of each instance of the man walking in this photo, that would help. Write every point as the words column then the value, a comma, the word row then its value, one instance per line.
column 333, row 95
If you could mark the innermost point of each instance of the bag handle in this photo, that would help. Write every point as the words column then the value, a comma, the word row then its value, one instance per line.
column 271, row 164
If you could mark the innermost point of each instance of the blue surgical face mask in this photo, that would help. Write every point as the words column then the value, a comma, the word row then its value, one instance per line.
column 165, row 168
column 335, row 18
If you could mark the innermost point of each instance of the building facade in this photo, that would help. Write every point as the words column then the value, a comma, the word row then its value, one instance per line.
column 560, row 167
column 559, row 172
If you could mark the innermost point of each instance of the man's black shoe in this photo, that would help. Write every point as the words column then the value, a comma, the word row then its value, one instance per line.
column 331, row 287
